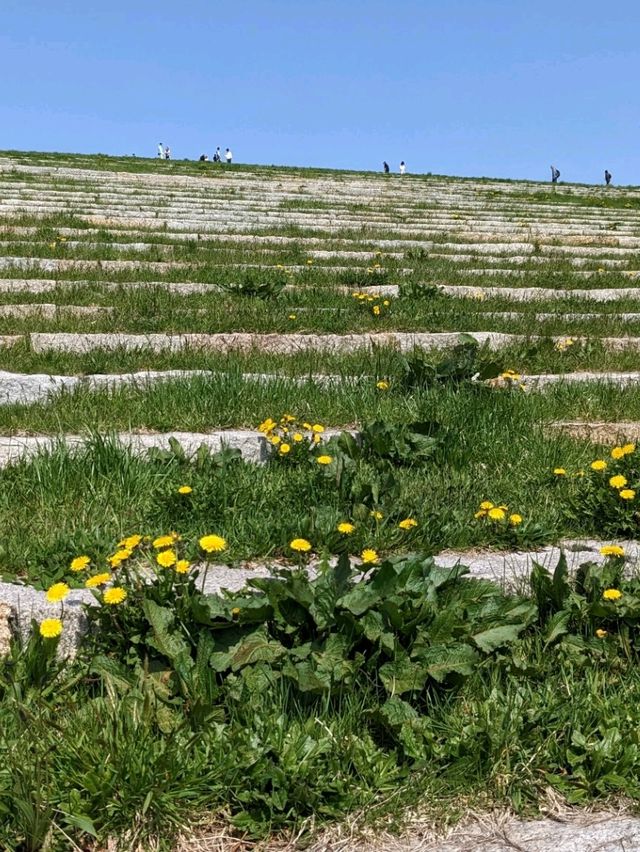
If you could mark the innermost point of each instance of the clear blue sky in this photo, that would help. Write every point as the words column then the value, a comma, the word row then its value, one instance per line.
column 466, row 87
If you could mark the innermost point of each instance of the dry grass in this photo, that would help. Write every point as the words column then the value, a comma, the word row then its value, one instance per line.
column 610, row 827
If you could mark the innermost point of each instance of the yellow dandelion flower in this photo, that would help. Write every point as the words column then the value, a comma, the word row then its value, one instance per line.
column 166, row 558
column 267, row 425
column 57, row 592
column 559, row 471
column 346, row 528
column 285, row 448
column 316, row 439
column 627, row 493
column 324, row 459
column 119, row 556
column 115, row 595
column 618, row 481
column 599, row 464
column 629, row 448
column 369, row 556
column 382, row 385
column 293, row 316
column 130, row 542
column 162, row 542
column 185, row 489
column 235, row 611
column 617, row 453
column 515, row 519
column 300, row 545
column 80, row 563
column 50, row 628
column 275, row 440
column 98, row 580
column 601, row 633
column 182, row 566
column 213, row 543
column 486, row 505
column 376, row 310
column 480, row 513
column 612, row 594
column 612, row 550
column 497, row 513
column 407, row 524
column 376, row 515
column 318, row 428
column 306, row 426
column 297, row 437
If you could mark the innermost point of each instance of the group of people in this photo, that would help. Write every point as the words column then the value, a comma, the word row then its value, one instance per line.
column 217, row 157
column 555, row 174
column 385, row 166
column 164, row 153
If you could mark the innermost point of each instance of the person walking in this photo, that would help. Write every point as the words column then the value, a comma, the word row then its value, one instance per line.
column 555, row 174
column 403, row 168
column 167, row 153
column 160, row 150
column 228, row 156
column 385, row 166
column 607, row 176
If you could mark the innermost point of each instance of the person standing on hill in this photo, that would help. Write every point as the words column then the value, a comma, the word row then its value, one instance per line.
column 403, row 168
column 228, row 156
column 555, row 174
column 217, row 157
column 167, row 153
column 385, row 166
column 607, row 176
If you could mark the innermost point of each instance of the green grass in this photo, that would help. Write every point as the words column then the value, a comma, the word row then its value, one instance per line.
column 320, row 700
column 491, row 445
column 229, row 400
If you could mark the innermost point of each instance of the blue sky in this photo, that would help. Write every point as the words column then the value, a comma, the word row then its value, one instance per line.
column 460, row 87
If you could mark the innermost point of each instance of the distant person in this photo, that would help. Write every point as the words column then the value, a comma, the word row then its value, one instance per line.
column 607, row 176
column 228, row 156
column 217, row 157
column 160, row 150
column 167, row 153
column 385, row 166
column 204, row 158
column 403, row 168
column 555, row 174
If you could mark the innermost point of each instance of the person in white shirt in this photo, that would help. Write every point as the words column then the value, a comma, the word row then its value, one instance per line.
column 228, row 156
column 403, row 168
column 160, row 150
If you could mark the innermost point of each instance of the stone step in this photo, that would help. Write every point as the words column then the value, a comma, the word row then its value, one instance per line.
column 598, row 432
column 527, row 294
column 50, row 311
column 289, row 344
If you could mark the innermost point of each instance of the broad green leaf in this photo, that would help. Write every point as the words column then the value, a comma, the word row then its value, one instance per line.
column 256, row 647
column 443, row 660
column 403, row 675
column 489, row 640
column 395, row 711
column 171, row 645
